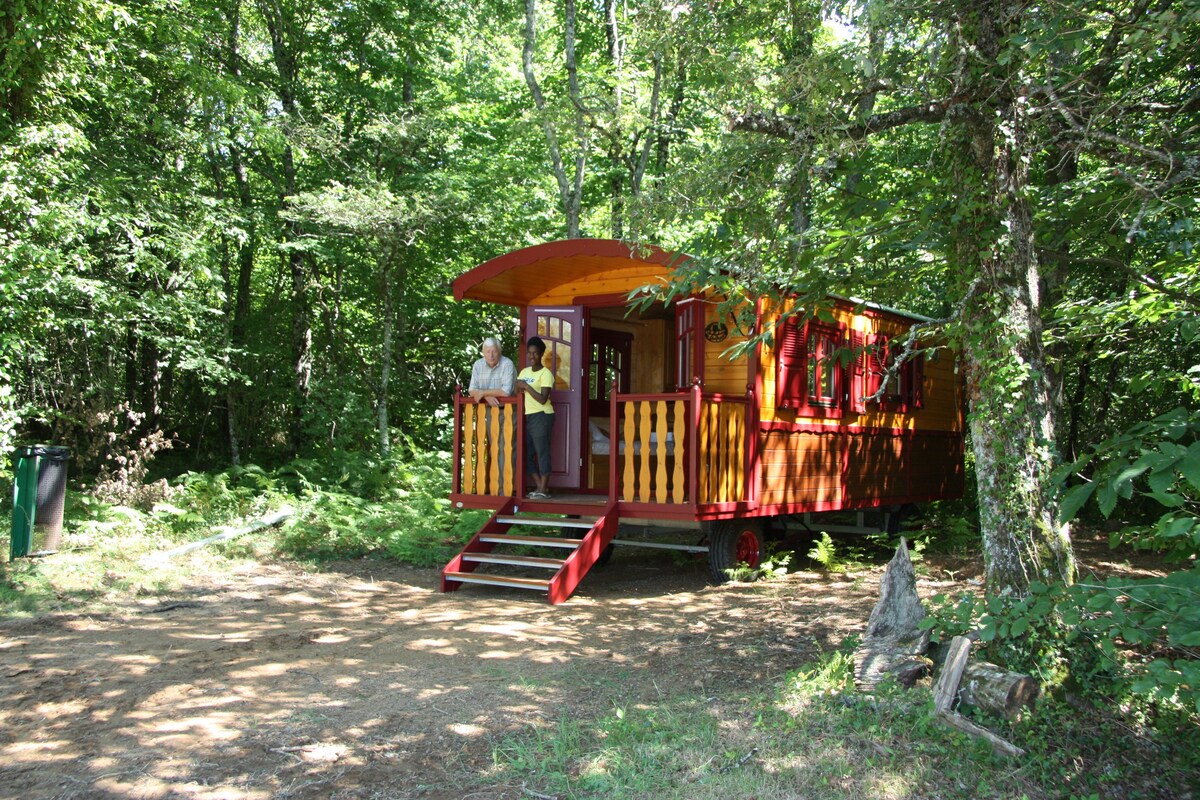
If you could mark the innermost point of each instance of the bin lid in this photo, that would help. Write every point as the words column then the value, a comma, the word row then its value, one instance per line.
column 52, row 452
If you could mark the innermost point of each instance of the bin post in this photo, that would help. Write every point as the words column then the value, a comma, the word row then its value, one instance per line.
column 24, row 513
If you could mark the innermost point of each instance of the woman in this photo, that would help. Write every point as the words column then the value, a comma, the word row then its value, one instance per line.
column 536, row 382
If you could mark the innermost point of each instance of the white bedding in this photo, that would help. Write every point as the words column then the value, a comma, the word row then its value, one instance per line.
column 600, row 442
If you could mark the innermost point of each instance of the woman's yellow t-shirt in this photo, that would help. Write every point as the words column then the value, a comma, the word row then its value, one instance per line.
column 542, row 379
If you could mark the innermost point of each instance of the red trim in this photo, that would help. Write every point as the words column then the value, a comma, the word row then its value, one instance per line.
column 656, row 511
column 456, row 471
column 754, row 385
column 564, row 248
column 692, row 310
column 576, row 565
column 721, row 510
column 802, row 427
column 520, row 466
column 693, row 456
column 488, row 501
column 832, row 505
column 613, row 452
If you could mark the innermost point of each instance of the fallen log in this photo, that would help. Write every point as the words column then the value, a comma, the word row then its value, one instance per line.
column 990, row 687
column 1000, row 745
column 947, row 689
column 225, row 535
column 893, row 646
column 993, row 688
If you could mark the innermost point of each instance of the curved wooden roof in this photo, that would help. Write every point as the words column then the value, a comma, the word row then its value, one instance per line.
column 517, row 278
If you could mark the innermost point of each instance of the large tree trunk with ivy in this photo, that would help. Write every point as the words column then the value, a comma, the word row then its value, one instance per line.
column 1011, row 417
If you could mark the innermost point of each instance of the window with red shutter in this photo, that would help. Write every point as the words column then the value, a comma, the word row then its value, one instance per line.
column 822, row 369
column 810, row 377
column 875, row 364
column 905, row 386
column 915, row 384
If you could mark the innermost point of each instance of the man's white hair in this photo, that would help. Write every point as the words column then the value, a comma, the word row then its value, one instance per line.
column 492, row 341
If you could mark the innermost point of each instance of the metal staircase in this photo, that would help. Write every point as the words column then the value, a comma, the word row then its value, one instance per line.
column 566, row 559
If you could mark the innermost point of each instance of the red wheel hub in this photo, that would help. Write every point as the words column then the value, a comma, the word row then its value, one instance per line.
column 747, row 550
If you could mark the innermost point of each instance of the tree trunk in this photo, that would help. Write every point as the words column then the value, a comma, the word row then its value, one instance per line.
column 287, row 32
column 569, row 191
column 663, row 143
column 616, row 162
column 1011, row 411
column 237, row 290
column 385, row 358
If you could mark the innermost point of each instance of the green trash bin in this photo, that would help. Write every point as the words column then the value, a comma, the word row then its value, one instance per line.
column 39, row 493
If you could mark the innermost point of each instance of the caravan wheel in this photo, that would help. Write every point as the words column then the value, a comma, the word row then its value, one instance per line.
column 732, row 542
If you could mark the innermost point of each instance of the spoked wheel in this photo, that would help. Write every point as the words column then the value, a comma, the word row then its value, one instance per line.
column 733, row 542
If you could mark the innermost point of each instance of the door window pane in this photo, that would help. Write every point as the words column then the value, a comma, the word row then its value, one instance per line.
column 562, row 366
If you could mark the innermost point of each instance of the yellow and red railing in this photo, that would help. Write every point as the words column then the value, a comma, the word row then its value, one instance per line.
column 676, row 452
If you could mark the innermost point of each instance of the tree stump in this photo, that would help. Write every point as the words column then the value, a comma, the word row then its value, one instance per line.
column 893, row 645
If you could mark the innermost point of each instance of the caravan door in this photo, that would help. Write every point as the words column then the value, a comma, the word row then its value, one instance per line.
column 561, row 328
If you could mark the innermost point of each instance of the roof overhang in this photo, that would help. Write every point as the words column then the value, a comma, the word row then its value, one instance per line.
column 516, row 278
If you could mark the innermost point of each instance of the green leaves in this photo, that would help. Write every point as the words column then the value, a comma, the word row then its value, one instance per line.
column 1158, row 460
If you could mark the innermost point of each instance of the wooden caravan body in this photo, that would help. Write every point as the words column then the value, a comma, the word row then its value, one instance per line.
column 655, row 419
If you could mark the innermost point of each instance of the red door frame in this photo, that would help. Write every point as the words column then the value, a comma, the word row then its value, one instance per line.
column 566, row 440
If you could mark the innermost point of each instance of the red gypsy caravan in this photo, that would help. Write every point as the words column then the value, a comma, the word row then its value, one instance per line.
column 656, row 424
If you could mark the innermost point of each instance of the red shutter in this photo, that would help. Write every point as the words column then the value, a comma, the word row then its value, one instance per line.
column 791, row 387
column 857, row 371
column 916, row 381
column 875, row 360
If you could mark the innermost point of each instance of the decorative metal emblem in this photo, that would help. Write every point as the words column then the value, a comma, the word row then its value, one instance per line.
column 716, row 332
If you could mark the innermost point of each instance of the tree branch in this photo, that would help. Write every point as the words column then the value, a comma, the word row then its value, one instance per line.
column 792, row 129
column 910, row 342
column 1115, row 263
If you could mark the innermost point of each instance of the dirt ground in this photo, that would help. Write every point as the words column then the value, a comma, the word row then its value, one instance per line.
column 363, row 681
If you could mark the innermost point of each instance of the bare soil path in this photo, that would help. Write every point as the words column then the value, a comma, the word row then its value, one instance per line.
column 363, row 681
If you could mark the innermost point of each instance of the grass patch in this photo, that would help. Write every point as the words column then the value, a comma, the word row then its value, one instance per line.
column 105, row 562
column 346, row 506
column 814, row 736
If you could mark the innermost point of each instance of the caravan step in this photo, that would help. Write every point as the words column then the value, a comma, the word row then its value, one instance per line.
column 541, row 541
column 498, row 580
column 548, row 522
column 516, row 561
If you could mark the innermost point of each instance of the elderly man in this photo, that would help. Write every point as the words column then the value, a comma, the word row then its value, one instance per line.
column 492, row 376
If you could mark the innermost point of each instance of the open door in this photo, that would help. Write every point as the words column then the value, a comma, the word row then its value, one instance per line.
column 561, row 328
column 609, row 360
